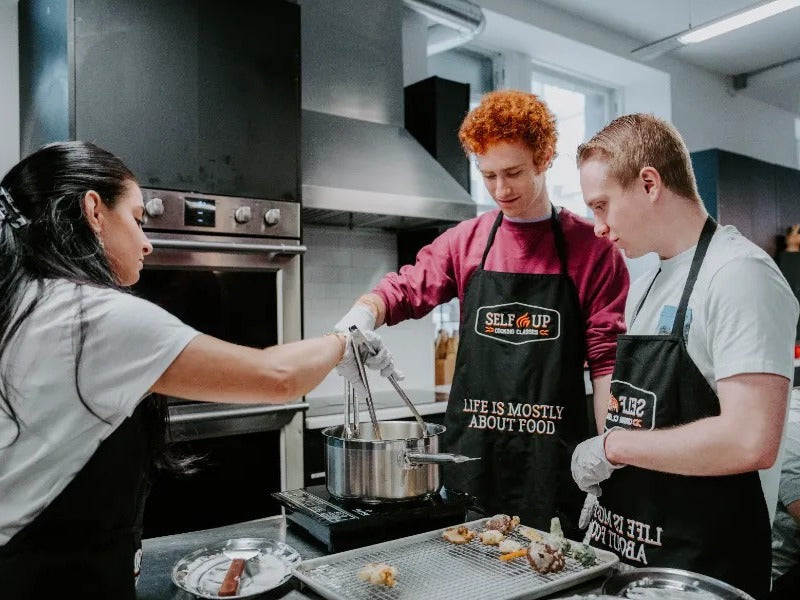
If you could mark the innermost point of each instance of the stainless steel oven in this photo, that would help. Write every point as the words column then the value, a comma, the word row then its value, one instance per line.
column 230, row 267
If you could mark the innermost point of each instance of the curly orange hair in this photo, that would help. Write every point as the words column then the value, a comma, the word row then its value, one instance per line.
column 509, row 116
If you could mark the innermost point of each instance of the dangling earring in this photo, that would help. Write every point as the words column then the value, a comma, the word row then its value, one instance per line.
column 100, row 240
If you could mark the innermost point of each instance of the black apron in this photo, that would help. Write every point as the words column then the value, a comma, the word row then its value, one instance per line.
column 88, row 540
column 518, row 397
column 718, row 526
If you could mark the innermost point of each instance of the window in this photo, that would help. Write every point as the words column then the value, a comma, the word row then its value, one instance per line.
column 581, row 110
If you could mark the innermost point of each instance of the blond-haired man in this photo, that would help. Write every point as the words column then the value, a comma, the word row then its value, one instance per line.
column 701, row 380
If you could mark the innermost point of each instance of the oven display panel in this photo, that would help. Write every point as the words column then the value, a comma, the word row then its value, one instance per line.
column 199, row 212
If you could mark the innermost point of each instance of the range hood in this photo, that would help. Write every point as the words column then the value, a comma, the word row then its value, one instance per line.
column 374, row 175
column 360, row 167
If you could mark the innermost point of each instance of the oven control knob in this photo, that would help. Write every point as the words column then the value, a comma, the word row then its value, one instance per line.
column 154, row 207
column 272, row 216
column 242, row 214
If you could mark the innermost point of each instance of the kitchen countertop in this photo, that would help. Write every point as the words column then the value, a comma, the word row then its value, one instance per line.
column 328, row 410
column 160, row 554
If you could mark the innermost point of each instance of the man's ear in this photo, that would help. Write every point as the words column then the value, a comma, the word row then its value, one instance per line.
column 92, row 208
column 651, row 181
column 548, row 158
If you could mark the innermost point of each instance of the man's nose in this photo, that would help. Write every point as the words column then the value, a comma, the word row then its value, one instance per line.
column 147, row 247
column 503, row 187
column 600, row 228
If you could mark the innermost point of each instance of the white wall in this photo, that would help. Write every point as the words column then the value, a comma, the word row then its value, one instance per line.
column 9, row 88
column 702, row 107
column 341, row 265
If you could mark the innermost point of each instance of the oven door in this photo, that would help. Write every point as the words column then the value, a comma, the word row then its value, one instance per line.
column 244, row 291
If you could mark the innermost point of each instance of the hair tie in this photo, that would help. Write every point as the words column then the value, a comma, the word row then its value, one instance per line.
column 9, row 212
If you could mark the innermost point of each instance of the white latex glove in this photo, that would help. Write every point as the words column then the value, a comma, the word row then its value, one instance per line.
column 381, row 361
column 360, row 316
column 590, row 465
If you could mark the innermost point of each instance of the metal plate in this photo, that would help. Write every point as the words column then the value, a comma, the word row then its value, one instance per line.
column 430, row 567
column 675, row 584
column 202, row 571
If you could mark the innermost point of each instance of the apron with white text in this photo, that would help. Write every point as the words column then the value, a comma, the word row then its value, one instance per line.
column 717, row 526
column 518, row 397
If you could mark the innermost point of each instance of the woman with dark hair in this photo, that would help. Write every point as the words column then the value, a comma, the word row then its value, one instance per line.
column 82, row 363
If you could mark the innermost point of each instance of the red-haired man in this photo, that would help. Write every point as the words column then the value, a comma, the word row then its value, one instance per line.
column 539, row 295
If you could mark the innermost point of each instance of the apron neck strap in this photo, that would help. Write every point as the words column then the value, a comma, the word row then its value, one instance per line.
column 558, row 234
column 699, row 254
column 490, row 241
column 644, row 297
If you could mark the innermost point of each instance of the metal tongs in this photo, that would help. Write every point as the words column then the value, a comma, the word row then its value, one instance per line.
column 358, row 339
column 351, row 411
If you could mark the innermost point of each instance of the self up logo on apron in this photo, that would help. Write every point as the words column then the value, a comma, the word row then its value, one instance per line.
column 631, row 407
column 517, row 323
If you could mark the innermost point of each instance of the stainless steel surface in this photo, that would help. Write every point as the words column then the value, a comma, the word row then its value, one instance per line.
column 374, row 175
column 680, row 584
column 409, row 404
column 241, row 238
column 210, row 420
column 169, row 212
column 354, row 347
column 359, row 339
column 229, row 247
column 441, row 458
column 161, row 553
column 431, row 568
column 326, row 411
column 348, row 430
column 377, row 470
column 360, row 166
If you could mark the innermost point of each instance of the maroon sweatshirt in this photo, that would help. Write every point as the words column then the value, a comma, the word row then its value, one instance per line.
column 444, row 267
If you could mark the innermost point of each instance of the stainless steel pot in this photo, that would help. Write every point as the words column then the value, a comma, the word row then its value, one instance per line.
column 401, row 466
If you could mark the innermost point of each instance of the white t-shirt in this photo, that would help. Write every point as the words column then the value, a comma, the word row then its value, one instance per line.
column 741, row 318
column 785, row 530
column 129, row 343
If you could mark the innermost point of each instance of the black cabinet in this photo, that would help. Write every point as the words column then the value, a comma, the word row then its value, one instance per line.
column 760, row 199
column 195, row 95
column 434, row 110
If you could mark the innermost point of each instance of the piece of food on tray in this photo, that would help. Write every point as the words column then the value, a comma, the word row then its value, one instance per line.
column 378, row 574
column 515, row 554
column 502, row 523
column 584, row 554
column 507, row 546
column 491, row 537
column 544, row 558
column 458, row 535
column 555, row 539
column 530, row 533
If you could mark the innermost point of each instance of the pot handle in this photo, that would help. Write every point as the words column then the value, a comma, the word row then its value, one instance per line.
column 440, row 458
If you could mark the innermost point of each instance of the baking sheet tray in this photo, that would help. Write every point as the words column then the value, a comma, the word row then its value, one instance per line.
column 430, row 567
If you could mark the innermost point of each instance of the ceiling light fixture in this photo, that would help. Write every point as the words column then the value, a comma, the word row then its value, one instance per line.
column 716, row 27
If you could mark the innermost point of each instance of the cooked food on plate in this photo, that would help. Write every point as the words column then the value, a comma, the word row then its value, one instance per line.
column 544, row 558
column 584, row 554
column 458, row 535
column 555, row 539
column 378, row 574
column 507, row 546
column 530, row 533
column 502, row 523
column 491, row 537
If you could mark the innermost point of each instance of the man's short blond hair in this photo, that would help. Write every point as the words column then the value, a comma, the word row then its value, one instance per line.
column 632, row 142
